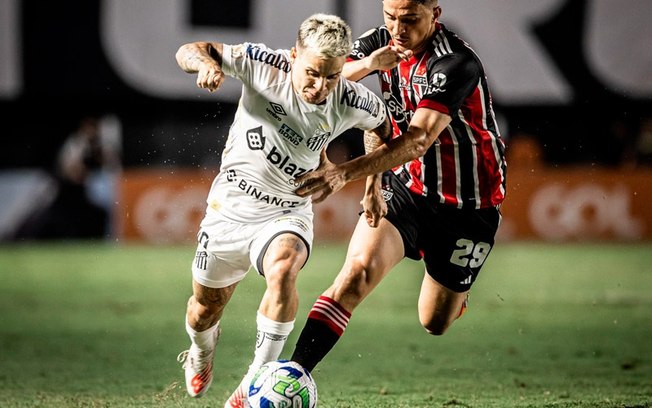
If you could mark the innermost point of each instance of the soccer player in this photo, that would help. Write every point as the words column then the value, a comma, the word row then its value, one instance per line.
column 293, row 104
column 440, row 200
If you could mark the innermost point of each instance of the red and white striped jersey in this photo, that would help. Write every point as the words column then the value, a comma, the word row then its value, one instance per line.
column 466, row 166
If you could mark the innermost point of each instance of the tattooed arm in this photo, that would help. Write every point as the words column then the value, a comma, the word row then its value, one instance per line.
column 204, row 59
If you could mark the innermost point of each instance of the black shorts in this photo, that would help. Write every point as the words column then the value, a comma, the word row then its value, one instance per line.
column 454, row 243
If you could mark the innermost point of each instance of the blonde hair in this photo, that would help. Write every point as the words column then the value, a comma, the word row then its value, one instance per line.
column 326, row 35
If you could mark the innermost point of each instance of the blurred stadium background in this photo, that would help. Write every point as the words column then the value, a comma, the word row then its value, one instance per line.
column 571, row 82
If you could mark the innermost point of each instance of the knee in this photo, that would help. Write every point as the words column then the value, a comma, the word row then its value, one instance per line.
column 436, row 326
column 281, row 277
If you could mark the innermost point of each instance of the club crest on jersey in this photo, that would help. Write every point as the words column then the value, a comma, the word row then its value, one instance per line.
column 201, row 259
column 290, row 135
column 438, row 82
column 420, row 84
column 255, row 138
column 387, row 193
column 318, row 139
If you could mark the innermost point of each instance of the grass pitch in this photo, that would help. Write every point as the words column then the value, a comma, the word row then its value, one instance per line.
column 99, row 325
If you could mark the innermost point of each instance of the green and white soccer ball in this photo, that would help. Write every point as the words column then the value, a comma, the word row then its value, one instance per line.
column 282, row 384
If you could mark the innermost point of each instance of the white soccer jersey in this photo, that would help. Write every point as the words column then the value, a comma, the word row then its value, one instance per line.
column 276, row 136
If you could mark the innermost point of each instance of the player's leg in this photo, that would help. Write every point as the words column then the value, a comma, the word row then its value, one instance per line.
column 439, row 306
column 221, row 261
column 372, row 253
column 204, row 311
column 283, row 249
column 283, row 259
column 455, row 245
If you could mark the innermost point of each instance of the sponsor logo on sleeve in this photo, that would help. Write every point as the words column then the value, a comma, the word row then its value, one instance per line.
column 438, row 82
column 276, row 60
column 366, row 103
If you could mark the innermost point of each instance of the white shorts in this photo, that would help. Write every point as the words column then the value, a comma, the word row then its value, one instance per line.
column 226, row 249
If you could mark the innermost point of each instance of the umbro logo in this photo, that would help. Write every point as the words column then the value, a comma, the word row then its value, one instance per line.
column 278, row 109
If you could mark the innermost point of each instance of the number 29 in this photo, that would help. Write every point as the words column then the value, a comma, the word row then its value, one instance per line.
column 470, row 253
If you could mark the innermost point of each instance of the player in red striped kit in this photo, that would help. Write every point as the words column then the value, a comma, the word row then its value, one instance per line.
column 440, row 200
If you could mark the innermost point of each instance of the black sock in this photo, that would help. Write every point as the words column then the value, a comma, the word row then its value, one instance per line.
column 324, row 327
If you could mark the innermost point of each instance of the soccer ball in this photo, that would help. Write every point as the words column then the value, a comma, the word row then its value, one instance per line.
column 282, row 384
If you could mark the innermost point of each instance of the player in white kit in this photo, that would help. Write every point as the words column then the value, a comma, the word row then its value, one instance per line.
column 293, row 104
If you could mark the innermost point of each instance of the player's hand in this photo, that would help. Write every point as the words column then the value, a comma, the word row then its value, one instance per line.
column 387, row 57
column 210, row 76
column 321, row 182
column 374, row 208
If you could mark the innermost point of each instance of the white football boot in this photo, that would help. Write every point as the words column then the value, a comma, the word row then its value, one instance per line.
column 198, row 365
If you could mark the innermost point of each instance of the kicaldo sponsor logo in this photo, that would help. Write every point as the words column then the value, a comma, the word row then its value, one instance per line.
column 584, row 211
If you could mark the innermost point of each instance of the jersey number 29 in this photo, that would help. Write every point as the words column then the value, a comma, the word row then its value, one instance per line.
column 470, row 253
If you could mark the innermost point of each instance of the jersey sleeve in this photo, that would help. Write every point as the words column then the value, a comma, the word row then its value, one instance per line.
column 234, row 63
column 367, row 43
column 253, row 63
column 371, row 111
column 451, row 80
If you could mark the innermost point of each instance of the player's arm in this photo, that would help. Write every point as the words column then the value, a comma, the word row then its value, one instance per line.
column 383, row 58
column 424, row 129
column 374, row 207
column 204, row 59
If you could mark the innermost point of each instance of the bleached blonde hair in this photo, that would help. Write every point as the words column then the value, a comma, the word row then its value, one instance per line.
column 326, row 35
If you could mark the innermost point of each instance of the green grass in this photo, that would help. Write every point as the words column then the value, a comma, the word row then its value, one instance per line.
column 98, row 325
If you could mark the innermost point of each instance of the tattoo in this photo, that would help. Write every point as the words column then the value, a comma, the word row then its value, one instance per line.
column 292, row 242
column 376, row 137
column 193, row 55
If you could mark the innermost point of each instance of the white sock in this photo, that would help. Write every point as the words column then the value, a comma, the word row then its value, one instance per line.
column 204, row 340
column 270, row 339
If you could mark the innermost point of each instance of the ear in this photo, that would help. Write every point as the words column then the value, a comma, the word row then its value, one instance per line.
column 293, row 53
column 436, row 13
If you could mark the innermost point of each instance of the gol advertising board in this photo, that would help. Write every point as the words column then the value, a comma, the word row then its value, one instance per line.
column 570, row 204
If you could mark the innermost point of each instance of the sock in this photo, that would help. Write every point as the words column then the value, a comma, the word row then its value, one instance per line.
column 270, row 339
column 326, row 323
column 204, row 340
